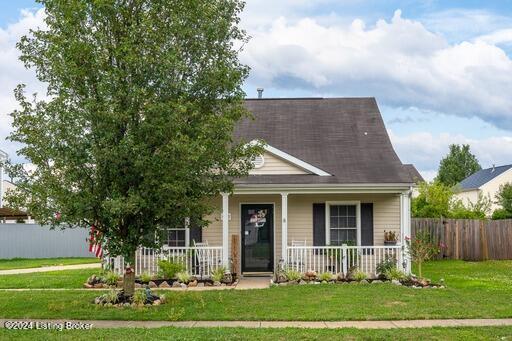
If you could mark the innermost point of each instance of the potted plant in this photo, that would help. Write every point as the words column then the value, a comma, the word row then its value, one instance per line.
column 390, row 237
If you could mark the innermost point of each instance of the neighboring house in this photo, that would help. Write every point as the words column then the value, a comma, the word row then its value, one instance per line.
column 8, row 215
column 485, row 182
column 329, row 176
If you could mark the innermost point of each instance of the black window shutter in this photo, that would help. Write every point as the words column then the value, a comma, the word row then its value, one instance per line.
column 319, row 224
column 196, row 234
column 367, row 224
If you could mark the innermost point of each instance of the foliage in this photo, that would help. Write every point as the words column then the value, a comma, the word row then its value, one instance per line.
column 325, row 276
column 140, row 297
column 457, row 165
column 218, row 274
column 422, row 248
column 163, row 298
column 292, row 275
column 504, row 197
column 395, row 274
column 145, row 277
column 501, row 214
column 111, row 278
column 478, row 210
column 183, row 277
column 168, row 269
column 136, row 129
column 433, row 200
column 436, row 200
column 385, row 265
column 358, row 275
column 111, row 296
column 390, row 236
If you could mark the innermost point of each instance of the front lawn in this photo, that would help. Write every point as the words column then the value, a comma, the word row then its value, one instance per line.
column 475, row 290
column 495, row 333
column 51, row 279
column 25, row 263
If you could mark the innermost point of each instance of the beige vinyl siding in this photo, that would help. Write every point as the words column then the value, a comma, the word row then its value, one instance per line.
column 276, row 166
column 386, row 213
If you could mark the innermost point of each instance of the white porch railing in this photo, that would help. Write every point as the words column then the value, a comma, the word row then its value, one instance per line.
column 198, row 261
column 341, row 259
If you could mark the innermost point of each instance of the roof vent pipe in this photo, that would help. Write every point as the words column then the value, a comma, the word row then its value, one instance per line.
column 493, row 168
column 260, row 93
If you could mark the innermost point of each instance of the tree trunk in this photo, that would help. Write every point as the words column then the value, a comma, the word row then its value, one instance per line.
column 129, row 277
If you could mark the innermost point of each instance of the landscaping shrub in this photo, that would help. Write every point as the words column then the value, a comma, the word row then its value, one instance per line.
column 422, row 248
column 145, row 277
column 111, row 296
column 292, row 275
column 183, row 277
column 139, row 297
column 111, row 278
column 218, row 274
column 325, row 276
column 387, row 264
column 169, row 269
column 395, row 274
column 358, row 275
column 501, row 214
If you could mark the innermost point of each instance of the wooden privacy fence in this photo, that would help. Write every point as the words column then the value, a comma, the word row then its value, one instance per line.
column 469, row 239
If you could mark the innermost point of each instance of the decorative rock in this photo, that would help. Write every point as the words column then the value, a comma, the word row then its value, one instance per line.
column 88, row 286
column 98, row 285
column 223, row 284
column 364, row 281
column 138, row 285
column 310, row 274
column 302, row 282
column 152, row 284
column 228, row 278
column 183, row 285
column 216, row 284
column 283, row 284
column 354, row 282
column 324, row 282
column 340, row 277
column 395, row 282
column 376, row 281
column 208, row 284
column 176, row 284
column 164, row 284
column 200, row 285
column 126, row 304
column 92, row 280
column 193, row 284
column 157, row 302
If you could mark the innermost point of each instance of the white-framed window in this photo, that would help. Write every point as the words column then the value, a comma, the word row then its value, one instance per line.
column 177, row 237
column 343, row 223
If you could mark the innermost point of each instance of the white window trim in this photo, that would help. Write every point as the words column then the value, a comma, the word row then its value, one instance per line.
column 328, row 219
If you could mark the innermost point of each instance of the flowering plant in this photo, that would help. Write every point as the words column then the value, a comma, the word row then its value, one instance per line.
column 422, row 248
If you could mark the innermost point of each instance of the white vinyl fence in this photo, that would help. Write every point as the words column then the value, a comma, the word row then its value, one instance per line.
column 341, row 259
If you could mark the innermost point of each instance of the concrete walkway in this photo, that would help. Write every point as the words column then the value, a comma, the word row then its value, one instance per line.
column 50, row 268
column 280, row 324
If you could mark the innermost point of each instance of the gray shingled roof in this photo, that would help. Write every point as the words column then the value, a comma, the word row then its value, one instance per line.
column 482, row 177
column 345, row 137
column 414, row 174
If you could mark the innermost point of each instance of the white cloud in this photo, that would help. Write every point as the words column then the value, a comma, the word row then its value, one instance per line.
column 13, row 72
column 425, row 150
column 400, row 62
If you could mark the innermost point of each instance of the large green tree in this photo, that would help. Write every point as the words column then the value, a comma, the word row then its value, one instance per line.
column 457, row 165
column 135, row 133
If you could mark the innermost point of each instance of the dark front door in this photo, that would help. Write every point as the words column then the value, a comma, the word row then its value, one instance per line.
column 257, row 237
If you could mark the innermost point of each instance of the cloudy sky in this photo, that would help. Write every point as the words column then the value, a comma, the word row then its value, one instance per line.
column 441, row 71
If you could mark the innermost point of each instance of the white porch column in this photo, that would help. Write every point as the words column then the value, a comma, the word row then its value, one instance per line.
column 225, row 230
column 405, row 222
column 284, row 226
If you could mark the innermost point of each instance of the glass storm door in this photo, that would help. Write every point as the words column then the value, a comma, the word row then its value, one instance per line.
column 257, row 237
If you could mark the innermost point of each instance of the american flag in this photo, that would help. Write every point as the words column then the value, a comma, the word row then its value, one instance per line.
column 94, row 243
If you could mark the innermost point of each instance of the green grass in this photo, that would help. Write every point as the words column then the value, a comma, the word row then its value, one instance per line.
column 25, row 263
column 51, row 279
column 482, row 333
column 471, row 293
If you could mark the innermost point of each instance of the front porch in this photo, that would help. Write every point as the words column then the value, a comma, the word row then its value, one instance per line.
column 263, row 231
